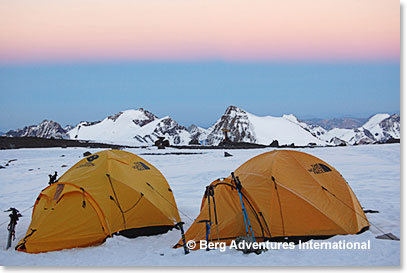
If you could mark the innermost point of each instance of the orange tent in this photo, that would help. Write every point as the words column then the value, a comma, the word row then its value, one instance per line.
column 288, row 196
column 110, row 192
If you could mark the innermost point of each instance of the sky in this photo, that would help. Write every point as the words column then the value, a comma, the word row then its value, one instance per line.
column 72, row 60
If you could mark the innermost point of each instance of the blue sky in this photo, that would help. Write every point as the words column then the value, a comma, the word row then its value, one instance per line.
column 195, row 92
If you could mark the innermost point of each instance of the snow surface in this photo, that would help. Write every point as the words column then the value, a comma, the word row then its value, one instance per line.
column 373, row 172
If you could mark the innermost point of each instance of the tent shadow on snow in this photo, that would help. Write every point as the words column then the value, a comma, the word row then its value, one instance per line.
column 288, row 196
column 110, row 192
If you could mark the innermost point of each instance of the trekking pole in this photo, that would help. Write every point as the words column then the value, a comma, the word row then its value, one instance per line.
column 208, row 230
column 14, row 215
column 180, row 225
column 245, row 216
column 208, row 196
column 212, row 193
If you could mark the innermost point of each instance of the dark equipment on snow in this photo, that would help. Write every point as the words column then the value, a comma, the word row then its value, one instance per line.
column 14, row 216
column 180, row 226
column 161, row 143
column 227, row 154
column 208, row 230
column 246, row 242
column 52, row 178
column 87, row 153
column 245, row 216
column 274, row 143
column 370, row 211
column 388, row 236
column 194, row 142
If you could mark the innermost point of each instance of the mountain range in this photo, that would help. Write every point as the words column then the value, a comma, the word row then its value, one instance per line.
column 345, row 123
column 142, row 128
column 45, row 129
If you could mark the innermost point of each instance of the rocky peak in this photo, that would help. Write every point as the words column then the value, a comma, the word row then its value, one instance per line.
column 68, row 127
column 192, row 129
column 115, row 116
column 46, row 129
column 148, row 117
column 237, row 121
column 197, row 133
column 169, row 126
column 139, row 117
column 390, row 128
column 169, row 129
column 233, row 111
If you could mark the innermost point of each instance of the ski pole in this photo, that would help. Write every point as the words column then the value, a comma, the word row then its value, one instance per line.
column 208, row 196
column 208, row 230
column 212, row 193
column 245, row 216
column 238, row 186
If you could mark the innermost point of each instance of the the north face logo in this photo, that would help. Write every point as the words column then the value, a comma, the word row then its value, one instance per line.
column 319, row 168
column 140, row 166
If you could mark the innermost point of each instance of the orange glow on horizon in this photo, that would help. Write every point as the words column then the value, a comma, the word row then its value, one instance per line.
column 34, row 31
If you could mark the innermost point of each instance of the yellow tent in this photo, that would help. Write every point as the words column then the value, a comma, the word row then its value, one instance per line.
column 288, row 196
column 109, row 192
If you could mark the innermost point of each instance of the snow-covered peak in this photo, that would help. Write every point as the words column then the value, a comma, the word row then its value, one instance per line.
column 139, row 117
column 236, row 120
column 315, row 130
column 291, row 117
column 68, row 128
column 197, row 133
column 374, row 120
column 196, row 129
column 46, row 129
column 132, row 127
column 247, row 127
column 379, row 128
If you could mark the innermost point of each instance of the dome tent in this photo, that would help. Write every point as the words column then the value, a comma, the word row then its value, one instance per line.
column 288, row 196
column 110, row 192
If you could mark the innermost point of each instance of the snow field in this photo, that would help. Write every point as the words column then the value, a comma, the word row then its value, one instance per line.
column 373, row 172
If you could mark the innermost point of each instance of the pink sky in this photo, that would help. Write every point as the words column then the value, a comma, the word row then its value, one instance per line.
column 77, row 30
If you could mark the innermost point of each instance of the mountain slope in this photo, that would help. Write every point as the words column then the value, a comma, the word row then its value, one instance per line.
column 246, row 127
column 131, row 127
column 46, row 129
column 379, row 128
column 341, row 123
column 197, row 133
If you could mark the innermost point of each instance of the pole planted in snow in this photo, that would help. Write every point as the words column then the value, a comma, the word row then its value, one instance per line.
column 14, row 216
